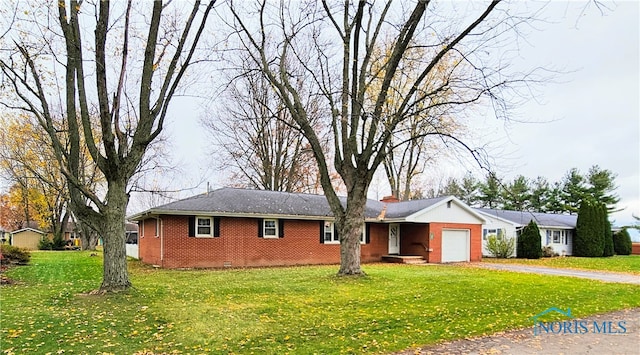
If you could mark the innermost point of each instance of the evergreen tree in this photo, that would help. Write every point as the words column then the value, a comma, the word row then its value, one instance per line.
column 622, row 242
column 608, row 236
column 589, row 238
column 554, row 203
column 601, row 186
column 489, row 193
column 469, row 189
column 529, row 242
column 452, row 188
column 516, row 195
column 540, row 196
column 574, row 190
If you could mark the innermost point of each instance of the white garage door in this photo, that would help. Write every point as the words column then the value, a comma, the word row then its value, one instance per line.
column 455, row 245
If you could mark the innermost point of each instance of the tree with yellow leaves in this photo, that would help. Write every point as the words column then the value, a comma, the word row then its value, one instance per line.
column 122, row 63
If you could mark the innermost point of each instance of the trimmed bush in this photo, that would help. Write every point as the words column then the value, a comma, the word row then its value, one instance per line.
column 590, row 226
column 57, row 243
column 529, row 243
column 548, row 252
column 14, row 255
column 500, row 246
column 622, row 242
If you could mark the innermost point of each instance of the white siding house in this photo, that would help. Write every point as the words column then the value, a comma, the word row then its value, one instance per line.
column 556, row 230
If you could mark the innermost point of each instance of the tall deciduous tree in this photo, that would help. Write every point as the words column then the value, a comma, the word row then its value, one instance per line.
column 335, row 44
column 130, row 94
column 10, row 215
column 413, row 147
column 258, row 138
column 27, row 158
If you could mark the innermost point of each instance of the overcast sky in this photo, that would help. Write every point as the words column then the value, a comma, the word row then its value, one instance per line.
column 589, row 116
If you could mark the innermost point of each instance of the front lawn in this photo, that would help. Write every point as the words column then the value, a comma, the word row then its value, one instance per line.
column 618, row 263
column 280, row 310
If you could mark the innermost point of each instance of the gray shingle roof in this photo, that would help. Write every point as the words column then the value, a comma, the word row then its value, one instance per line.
column 262, row 202
column 542, row 219
column 407, row 208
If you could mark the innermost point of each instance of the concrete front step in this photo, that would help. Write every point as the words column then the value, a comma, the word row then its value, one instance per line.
column 404, row 259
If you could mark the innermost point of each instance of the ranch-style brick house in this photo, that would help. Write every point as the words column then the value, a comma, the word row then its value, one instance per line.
column 232, row 227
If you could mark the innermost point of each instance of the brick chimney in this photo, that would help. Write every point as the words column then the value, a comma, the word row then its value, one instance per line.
column 390, row 199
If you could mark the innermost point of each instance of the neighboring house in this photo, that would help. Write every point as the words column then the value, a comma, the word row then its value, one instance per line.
column 240, row 227
column 556, row 230
column 27, row 238
column 131, row 237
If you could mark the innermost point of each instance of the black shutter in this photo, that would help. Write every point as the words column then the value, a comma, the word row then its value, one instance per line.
column 281, row 228
column 192, row 226
column 260, row 229
column 216, row 226
column 321, row 232
column 367, row 236
column 336, row 236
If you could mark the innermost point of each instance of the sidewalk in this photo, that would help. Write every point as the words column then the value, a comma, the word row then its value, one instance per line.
column 524, row 342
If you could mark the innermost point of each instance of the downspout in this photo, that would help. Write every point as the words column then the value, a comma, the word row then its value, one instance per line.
column 161, row 242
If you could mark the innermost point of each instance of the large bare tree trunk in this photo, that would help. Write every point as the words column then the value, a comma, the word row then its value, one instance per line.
column 115, row 274
column 119, row 138
column 350, row 226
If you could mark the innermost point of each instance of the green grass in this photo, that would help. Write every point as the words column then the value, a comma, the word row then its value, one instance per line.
column 618, row 263
column 298, row 310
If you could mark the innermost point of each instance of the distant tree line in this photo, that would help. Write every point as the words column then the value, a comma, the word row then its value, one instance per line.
column 534, row 195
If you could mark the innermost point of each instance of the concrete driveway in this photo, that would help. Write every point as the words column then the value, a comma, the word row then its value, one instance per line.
column 594, row 275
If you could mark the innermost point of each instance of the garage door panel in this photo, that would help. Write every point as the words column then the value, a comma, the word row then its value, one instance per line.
column 455, row 245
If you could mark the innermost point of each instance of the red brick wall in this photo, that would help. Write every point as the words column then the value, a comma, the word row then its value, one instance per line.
column 148, row 243
column 239, row 245
column 635, row 248
column 413, row 239
column 378, row 243
column 435, row 256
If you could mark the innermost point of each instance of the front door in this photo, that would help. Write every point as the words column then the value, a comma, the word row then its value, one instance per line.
column 394, row 238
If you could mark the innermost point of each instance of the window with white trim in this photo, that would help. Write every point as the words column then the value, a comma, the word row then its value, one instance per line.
column 270, row 228
column 330, row 235
column 556, row 237
column 498, row 232
column 363, row 234
column 204, row 227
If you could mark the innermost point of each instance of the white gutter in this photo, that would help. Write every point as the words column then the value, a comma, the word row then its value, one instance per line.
column 161, row 241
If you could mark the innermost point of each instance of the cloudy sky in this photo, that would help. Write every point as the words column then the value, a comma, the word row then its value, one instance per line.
column 589, row 115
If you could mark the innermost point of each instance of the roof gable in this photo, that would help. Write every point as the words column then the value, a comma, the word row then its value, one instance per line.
column 27, row 230
column 446, row 209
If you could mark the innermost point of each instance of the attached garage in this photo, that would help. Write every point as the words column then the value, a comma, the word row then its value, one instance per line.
column 456, row 245
column 441, row 230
